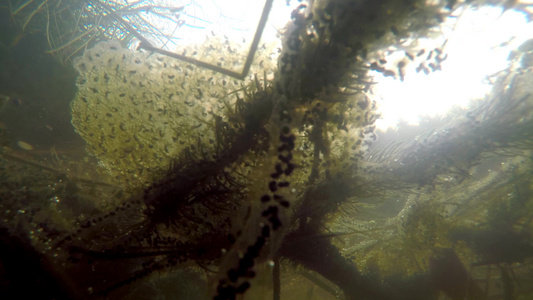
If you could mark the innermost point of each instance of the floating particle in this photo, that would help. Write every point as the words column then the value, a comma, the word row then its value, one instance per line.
column 24, row 145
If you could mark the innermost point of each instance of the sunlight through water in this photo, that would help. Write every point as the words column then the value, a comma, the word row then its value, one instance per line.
column 477, row 44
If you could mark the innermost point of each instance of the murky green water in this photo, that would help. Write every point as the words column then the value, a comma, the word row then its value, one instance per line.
column 130, row 174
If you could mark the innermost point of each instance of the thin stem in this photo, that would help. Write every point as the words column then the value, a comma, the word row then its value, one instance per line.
column 78, row 49
column 71, row 41
column 276, row 282
column 33, row 14
column 21, row 7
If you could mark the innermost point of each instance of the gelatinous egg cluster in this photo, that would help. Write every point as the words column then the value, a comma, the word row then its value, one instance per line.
column 138, row 110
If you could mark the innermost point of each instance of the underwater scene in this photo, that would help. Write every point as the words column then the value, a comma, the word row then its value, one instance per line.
column 267, row 149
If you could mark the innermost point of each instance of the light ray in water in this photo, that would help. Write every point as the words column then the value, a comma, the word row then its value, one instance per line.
column 477, row 44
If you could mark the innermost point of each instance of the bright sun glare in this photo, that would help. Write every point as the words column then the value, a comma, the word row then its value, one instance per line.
column 235, row 19
column 478, row 45
column 476, row 42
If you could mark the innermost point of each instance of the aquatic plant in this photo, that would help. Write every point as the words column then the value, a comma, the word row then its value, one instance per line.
column 239, row 176
column 71, row 27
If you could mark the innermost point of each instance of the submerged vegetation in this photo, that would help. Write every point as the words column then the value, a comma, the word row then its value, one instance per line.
column 274, row 186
